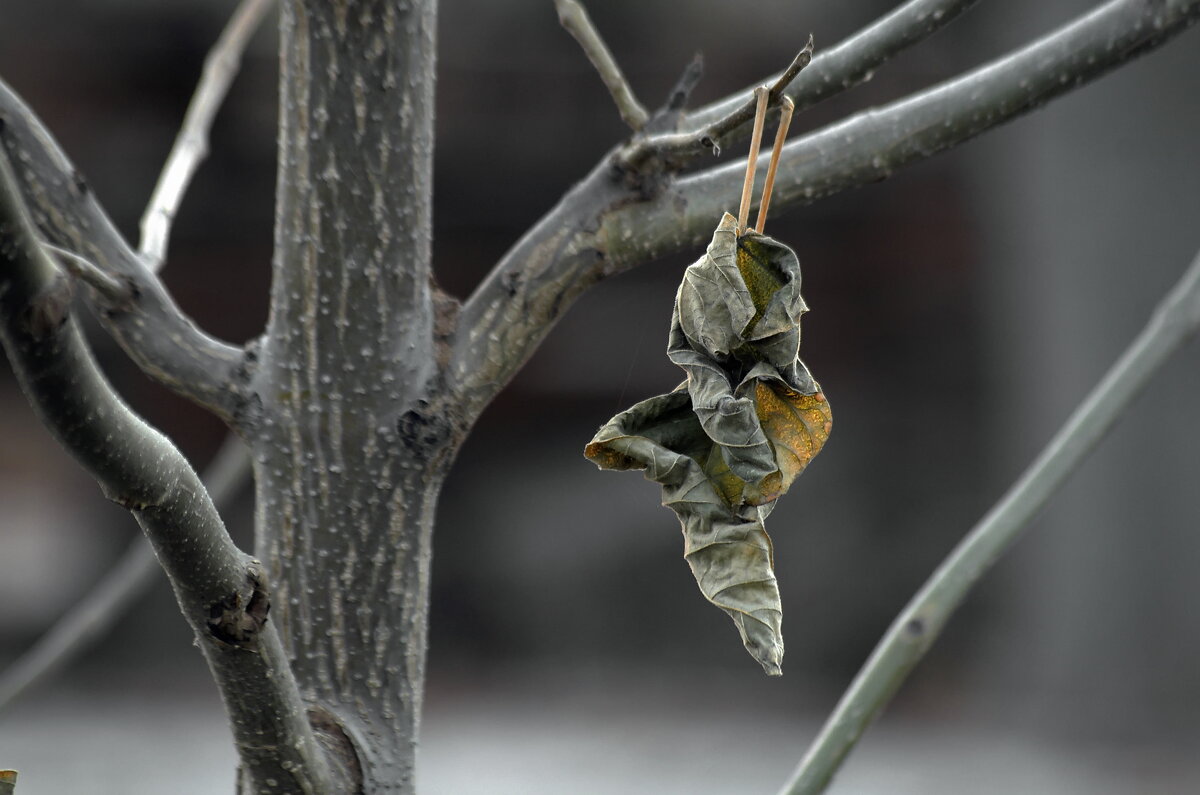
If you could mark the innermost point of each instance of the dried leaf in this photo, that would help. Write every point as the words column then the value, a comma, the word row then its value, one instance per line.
column 728, row 442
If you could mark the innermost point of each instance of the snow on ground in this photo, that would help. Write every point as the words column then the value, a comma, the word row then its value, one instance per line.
column 506, row 744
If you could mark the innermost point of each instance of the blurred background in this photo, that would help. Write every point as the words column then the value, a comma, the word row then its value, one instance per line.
column 960, row 310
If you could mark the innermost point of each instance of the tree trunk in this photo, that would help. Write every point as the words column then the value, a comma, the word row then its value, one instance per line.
column 349, row 457
column 349, row 559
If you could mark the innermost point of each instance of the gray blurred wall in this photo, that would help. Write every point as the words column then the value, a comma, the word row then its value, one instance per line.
column 1089, row 215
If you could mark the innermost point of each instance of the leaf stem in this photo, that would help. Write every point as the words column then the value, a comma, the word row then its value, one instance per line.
column 761, row 95
column 785, row 121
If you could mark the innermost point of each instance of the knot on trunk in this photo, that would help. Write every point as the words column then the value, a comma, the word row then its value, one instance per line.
column 423, row 428
column 239, row 617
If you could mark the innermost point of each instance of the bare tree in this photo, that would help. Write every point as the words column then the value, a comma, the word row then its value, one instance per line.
column 368, row 377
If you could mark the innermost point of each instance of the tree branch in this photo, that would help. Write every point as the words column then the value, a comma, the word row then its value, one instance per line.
column 852, row 61
column 574, row 17
column 94, row 615
column 915, row 629
column 114, row 290
column 148, row 325
column 602, row 227
column 833, row 71
column 508, row 315
column 220, row 590
column 191, row 145
column 870, row 146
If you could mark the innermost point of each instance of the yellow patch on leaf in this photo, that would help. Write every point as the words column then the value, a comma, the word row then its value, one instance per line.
column 797, row 426
column 760, row 274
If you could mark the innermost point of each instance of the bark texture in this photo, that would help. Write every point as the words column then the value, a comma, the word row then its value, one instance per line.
column 349, row 449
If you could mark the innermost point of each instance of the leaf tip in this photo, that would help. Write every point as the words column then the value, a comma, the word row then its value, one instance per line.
column 771, row 659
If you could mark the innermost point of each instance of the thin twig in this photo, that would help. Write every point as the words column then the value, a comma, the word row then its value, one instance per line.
column 678, row 147
column 573, row 17
column 785, row 121
column 802, row 59
column 108, row 601
column 833, row 71
column 191, row 145
column 853, row 60
column 1175, row 319
column 86, row 271
column 682, row 90
column 713, row 135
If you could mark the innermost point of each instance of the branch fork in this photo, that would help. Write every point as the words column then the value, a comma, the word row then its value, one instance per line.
column 677, row 149
column 111, row 288
column 650, row 145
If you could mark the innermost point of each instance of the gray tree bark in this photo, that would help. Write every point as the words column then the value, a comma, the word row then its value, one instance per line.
column 349, row 438
column 368, row 378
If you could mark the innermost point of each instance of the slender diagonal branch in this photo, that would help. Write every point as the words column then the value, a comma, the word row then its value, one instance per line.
column 852, row 61
column 574, row 17
column 149, row 326
column 833, row 71
column 917, row 626
column 601, row 228
column 221, row 591
column 94, row 616
column 191, row 145
column 681, row 92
